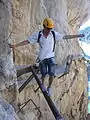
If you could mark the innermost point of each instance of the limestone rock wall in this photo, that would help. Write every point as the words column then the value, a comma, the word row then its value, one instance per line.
column 7, row 70
column 18, row 19
column 27, row 17
column 6, row 111
column 70, row 91
column 78, row 12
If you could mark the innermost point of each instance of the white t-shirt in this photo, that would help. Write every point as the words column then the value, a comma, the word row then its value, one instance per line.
column 46, row 48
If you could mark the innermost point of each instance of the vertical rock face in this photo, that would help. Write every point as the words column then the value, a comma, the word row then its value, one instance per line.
column 69, row 92
column 18, row 19
column 78, row 12
column 7, row 112
column 27, row 19
column 7, row 70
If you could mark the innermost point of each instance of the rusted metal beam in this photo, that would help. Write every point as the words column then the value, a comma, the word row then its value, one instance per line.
column 24, row 69
column 48, row 99
column 21, row 106
column 27, row 81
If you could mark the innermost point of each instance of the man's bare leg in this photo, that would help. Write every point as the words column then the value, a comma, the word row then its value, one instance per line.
column 43, row 86
column 43, row 80
column 50, row 81
column 49, row 86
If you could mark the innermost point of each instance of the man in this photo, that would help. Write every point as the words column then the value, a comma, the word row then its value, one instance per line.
column 46, row 39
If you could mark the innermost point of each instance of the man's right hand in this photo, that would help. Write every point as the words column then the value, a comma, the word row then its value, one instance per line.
column 11, row 46
column 25, row 42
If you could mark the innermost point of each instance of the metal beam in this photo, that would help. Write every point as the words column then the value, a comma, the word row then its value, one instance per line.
column 48, row 99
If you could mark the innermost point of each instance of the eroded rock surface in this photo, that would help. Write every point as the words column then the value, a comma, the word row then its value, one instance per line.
column 18, row 20
column 7, row 111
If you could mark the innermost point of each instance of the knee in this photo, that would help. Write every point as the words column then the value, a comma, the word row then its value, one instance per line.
column 51, row 77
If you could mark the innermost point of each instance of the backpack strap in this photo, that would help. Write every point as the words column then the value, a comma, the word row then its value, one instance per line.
column 38, row 40
column 54, row 40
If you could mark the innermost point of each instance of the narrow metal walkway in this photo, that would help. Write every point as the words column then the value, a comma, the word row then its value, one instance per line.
column 49, row 101
column 34, row 71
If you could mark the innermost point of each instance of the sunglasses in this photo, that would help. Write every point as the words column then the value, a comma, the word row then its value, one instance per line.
column 48, row 28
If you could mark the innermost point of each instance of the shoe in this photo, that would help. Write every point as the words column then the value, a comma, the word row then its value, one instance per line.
column 60, row 118
column 43, row 88
column 49, row 90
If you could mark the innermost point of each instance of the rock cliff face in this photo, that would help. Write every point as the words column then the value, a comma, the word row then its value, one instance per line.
column 7, row 70
column 7, row 112
column 28, row 16
column 18, row 19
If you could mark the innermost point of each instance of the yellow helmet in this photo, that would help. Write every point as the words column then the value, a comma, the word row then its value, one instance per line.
column 48, row 22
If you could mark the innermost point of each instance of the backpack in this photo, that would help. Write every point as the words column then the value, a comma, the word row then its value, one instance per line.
column 39, row 35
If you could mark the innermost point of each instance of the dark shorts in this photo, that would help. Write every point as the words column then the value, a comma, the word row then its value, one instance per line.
column 47, row 66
